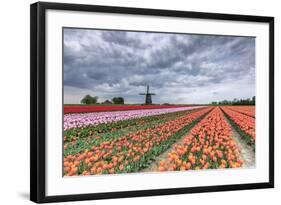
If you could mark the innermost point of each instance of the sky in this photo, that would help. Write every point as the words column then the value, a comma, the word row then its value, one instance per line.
column 179, row 68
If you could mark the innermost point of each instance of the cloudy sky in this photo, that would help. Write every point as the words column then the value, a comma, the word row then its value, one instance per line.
column 180, row 68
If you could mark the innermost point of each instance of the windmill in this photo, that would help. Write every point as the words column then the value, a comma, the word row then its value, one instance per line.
column 148, row 99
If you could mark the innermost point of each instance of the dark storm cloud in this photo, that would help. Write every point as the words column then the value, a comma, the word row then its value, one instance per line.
column 121, row 38
column 118, row 63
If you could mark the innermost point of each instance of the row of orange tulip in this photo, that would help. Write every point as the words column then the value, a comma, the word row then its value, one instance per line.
column 245, row 122
column 247, row 110
column 128, row 153
column 209, row 145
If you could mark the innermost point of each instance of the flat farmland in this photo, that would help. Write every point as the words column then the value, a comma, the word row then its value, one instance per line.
column 108, row 108
column 126, row 139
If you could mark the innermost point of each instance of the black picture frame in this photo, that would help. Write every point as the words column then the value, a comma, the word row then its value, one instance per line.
column 38, row 103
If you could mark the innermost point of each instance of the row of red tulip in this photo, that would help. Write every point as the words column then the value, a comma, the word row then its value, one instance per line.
column 104, row 108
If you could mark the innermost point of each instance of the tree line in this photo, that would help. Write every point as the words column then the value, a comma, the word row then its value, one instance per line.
column 235, row 101
column 88, row 99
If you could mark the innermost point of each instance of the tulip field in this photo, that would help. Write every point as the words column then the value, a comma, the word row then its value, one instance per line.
column 128, row 139
column 244, row 123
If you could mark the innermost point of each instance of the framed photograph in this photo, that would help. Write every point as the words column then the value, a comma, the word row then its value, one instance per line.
column 129, row 102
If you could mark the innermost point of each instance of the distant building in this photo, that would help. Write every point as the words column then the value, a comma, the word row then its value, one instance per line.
column 107, row 102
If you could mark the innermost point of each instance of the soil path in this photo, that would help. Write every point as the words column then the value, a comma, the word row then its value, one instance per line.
column 247, row 152
column 155, row 164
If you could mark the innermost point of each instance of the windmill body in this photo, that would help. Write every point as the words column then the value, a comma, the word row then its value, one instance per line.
column 148, row 98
